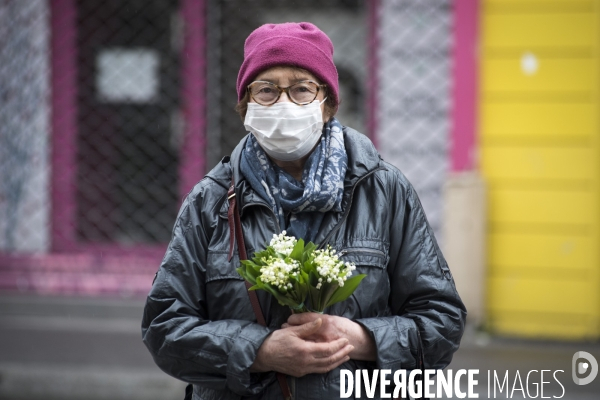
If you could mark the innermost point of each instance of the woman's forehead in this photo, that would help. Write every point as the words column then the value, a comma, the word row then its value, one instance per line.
column 284, row 75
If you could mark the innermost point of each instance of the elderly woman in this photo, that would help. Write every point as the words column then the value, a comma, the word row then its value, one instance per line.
column 301, row 171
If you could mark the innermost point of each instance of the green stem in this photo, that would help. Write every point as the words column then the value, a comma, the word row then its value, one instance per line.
column 299, row 309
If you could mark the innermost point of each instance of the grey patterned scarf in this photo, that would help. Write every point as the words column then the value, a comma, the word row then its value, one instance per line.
column 300, row 206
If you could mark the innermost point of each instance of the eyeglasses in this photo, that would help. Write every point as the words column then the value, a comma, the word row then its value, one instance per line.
column 267, row 93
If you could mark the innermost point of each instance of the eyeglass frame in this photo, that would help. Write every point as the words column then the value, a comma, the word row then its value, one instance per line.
column 286, row 90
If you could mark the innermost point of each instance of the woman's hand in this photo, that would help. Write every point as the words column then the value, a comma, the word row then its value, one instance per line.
column 290, row 351
column 335, row 328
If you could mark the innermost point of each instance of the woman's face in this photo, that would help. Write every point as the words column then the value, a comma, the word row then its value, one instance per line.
column 287, row 76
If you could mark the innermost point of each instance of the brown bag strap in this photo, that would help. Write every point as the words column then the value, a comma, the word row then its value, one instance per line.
column 236, row 235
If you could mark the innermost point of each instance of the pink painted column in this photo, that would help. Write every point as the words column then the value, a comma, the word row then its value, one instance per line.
column 193, row 95
column 464, row 93
column 372, row 69
column 64, row 123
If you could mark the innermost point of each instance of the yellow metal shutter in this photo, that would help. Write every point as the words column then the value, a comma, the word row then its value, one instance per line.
column 540, row 145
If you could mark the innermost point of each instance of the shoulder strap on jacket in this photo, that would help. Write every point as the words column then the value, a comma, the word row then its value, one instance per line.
column 236, row 235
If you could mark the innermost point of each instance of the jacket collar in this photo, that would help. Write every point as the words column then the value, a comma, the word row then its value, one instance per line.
column 362, row 156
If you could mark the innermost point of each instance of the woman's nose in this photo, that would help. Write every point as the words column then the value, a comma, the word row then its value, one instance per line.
column 283, row 97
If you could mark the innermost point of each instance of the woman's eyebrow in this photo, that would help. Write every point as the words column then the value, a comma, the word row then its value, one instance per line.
column 268, row 79
column 299, row 76
column 292, row 80
column 300, row 79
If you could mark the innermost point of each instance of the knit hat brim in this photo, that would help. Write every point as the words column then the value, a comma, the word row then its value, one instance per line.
column 285, row 50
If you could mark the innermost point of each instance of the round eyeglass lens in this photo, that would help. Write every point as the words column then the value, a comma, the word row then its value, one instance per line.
column 264, row 93
column 303, row 92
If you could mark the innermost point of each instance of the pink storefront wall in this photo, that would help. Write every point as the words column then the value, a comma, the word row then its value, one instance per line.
column 63, row 59
column 73, row 268
column 463, row 134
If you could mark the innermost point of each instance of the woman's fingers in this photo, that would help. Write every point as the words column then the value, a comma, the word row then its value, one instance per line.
column 330, row 367
column 304, row 318
column 305, row 330
column 319, row 358
column 325, row 363
column 331, row 328
column 328, row 349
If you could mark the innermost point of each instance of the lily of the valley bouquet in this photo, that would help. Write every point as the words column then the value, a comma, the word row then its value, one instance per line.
column 299, row 275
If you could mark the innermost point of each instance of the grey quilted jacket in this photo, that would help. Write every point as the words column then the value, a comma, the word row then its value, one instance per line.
column 198, row 322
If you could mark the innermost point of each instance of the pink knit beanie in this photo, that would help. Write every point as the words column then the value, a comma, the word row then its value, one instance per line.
column 295, row 44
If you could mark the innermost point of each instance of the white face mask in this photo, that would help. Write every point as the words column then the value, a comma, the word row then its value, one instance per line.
column 286, row 131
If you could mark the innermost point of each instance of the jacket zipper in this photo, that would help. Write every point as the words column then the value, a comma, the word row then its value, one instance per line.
column 343, row 252
column 347, row 211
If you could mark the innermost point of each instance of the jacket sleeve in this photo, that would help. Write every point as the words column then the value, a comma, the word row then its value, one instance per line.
column 426, row 309
column 175, row 327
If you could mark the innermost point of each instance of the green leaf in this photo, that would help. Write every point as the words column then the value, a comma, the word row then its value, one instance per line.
column 310, row 247
column 304, row 277
column 242, row 272
column 286, row 301
column 297, row 251
column 309, row 266
column 270, row 252
column 314, row 295
column 305, row 286
column 308, row 252
column 313, row 278
column 327, row 291
column 281, row 298
column 253, row 270
column 342, row 293
column 257, row 261
column 248, row 263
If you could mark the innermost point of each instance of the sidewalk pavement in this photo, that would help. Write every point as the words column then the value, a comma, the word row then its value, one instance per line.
column 498, row 355
column 68, row 348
